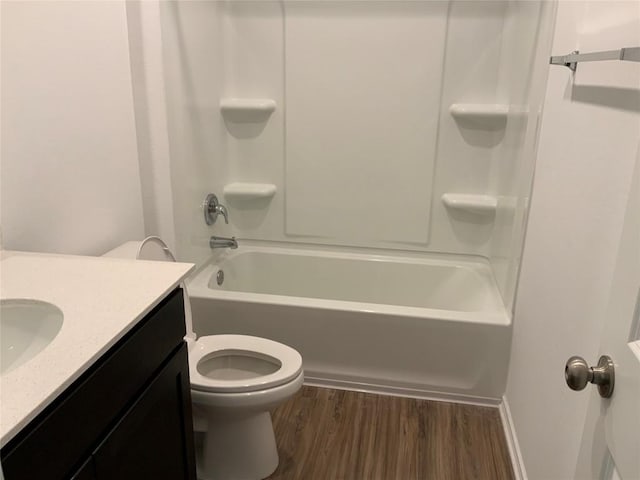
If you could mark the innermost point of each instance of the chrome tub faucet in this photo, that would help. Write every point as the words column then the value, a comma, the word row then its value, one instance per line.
column 223, row 242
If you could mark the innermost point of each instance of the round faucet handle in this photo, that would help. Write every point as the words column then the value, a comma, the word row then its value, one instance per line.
column 212, row 208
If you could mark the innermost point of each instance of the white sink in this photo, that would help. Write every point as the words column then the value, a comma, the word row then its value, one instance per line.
column 26, row 328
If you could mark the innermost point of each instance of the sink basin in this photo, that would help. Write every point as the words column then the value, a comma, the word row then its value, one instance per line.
column 26, row 328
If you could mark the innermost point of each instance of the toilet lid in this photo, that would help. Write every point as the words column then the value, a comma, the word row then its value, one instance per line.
column 241, row 363
column 154, row 249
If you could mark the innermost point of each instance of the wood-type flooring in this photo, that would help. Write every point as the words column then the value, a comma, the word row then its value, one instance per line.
column 326, row 434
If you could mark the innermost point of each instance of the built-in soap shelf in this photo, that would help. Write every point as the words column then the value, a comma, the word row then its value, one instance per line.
column 472, row 203
column 486, row 115
column 247, row 109
column 249, row 191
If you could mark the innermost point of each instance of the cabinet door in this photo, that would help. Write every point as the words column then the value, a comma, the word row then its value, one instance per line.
column 154, row 439
column 85, row 472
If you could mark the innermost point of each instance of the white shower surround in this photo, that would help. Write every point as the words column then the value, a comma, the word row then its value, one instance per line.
column 441, row 332
column 218, row 54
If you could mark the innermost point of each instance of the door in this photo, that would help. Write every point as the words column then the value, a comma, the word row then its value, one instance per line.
column 611, row 439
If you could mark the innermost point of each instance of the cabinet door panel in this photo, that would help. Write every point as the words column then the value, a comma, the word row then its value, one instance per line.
column 154, row 439
column 85, row 472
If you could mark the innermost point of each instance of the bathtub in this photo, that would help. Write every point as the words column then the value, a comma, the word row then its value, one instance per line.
column 399, row 323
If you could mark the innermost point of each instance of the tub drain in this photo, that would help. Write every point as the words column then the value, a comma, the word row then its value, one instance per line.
column 220, row 277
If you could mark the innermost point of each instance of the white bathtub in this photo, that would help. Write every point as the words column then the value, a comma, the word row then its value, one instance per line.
column 411, row 324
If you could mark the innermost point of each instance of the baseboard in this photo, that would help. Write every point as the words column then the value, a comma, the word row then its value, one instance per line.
column 519, row 471
column 316, row 381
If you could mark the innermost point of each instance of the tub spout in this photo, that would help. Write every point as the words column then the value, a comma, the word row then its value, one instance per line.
column 223, row 242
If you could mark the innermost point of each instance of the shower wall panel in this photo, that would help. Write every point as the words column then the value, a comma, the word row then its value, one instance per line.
column 463, row 159
column 522, row 78
column 252, row 36
column 361, row 145
column 363, row 88
column 193, row 56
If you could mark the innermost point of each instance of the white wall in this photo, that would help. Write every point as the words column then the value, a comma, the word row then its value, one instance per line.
column 69, row 170
column 588, row 145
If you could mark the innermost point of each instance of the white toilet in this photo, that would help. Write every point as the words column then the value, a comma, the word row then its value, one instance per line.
column 235, row 381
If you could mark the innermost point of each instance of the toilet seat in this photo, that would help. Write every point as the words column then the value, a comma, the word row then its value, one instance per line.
column 254, row 350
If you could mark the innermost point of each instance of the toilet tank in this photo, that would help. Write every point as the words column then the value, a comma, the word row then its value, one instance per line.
column 153, row 248
column 126, row 250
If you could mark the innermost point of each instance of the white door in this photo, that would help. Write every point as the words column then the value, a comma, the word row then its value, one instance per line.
column 611, row 439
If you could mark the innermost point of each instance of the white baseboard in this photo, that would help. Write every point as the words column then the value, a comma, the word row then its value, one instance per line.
column 399, row 391
column 519, row 471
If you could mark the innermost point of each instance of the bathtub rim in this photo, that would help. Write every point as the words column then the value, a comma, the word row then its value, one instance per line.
column 198, row 284
column 342, row 251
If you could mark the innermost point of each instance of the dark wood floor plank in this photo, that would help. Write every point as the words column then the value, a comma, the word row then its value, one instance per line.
column 326, row 434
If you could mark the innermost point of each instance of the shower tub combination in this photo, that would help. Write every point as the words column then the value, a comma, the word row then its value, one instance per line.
column 413, row 324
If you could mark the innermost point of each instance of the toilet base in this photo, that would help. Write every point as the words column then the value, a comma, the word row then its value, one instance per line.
column 238, row 448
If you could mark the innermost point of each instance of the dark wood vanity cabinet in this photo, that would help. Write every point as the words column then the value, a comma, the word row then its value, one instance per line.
column 127, row 417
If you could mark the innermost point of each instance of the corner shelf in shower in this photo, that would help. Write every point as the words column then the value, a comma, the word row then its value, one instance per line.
column 247, row 109
column 478, row 204
column 487, row 115
column 249, row 191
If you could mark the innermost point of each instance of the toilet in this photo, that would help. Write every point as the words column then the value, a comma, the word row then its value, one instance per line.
column 235, row 381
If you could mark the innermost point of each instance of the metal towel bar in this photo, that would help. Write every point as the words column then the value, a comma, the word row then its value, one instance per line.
column 630, row 54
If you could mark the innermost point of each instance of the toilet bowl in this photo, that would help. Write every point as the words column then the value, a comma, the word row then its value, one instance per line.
column 235, row 381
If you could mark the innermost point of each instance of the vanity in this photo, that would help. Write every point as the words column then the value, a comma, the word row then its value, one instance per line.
column 108, row 395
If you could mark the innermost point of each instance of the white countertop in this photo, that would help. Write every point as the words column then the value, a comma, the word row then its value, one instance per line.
column 101, row 299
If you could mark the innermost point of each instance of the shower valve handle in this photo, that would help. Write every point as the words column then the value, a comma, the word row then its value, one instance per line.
column 212, row 208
